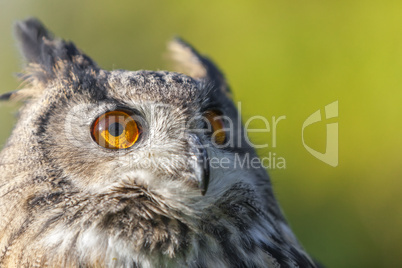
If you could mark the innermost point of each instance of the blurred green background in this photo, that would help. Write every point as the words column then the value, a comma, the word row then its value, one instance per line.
column 282, row 58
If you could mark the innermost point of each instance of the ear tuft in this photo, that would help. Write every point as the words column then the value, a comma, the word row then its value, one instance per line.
column 191, row 62
column 48, row 58
column 31, row 35
column 187, row 58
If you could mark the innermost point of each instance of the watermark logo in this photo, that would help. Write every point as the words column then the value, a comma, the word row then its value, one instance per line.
column 330, row 156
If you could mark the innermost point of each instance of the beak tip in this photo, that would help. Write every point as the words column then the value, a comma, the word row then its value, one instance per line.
column 201, row 162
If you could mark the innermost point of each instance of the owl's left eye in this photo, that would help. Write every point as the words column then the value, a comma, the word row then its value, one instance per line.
column 215, row 119
column 115, row 130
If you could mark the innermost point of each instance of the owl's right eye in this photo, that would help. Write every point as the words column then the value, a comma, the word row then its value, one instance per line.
column 115, row 130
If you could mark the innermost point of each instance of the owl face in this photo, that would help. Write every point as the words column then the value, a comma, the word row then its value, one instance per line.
column 115, row 167
column 156, row 128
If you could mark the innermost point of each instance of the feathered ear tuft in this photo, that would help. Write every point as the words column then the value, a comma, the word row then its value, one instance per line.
column 31, row 35
column 189, row 61
column 48, row 58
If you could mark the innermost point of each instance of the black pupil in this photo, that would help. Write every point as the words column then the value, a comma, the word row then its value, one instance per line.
column 115, row 129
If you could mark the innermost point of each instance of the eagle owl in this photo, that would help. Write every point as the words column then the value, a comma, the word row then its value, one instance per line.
column 132, row 168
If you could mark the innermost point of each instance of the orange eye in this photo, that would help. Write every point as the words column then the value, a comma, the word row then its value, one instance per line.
column 115, row 130
column 215, row 119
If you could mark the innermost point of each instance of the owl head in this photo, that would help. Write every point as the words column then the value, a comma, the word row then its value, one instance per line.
column 132, row 168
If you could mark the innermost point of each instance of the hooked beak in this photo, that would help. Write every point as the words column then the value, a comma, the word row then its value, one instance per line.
column 199, row 162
